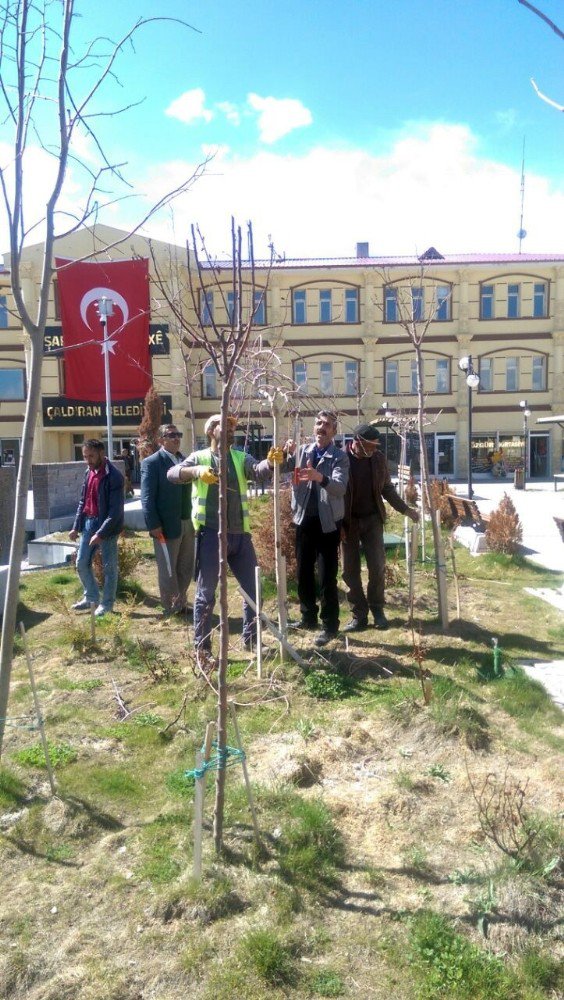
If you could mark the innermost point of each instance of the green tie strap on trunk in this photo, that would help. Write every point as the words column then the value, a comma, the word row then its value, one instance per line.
column 222, row 758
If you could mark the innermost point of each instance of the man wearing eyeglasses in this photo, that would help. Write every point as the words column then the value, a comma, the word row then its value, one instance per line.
column 167, row 513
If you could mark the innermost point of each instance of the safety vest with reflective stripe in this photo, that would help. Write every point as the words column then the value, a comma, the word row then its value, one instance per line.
column 200, row 489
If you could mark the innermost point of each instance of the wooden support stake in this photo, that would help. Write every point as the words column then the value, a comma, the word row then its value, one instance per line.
column 92, row 621
column 275, row 632
column 455, row 574
column 440, row 556
column 38, row 711
column 412, row 560
column 258, row 594
column 245, row 774
column 202, row 757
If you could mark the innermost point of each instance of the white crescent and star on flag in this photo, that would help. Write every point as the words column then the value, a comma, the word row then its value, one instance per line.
column 118, row 301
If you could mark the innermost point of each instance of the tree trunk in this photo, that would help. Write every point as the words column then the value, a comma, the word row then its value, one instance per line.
column 18, row 532
column 426, row 494
column 222, row 708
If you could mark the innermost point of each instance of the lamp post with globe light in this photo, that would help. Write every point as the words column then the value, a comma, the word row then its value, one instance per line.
column 472, row 381
column 526, row 414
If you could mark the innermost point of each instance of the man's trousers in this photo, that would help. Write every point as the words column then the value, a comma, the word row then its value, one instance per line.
column 242, row 560
column 316, row 549
column 173, row 585
column 364, row 534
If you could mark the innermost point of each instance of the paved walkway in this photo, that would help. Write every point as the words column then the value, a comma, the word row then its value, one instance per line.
column 536, row 506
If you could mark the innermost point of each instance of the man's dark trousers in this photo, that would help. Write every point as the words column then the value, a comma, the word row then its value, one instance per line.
column 366, row 534
column 314, row 547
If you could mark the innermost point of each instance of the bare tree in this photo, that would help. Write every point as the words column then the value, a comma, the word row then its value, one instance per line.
column 415, row 316
column 559, row 32
column 222, row 336
column 48, row 90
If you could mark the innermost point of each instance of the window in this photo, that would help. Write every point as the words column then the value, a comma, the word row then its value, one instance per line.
column 3, row 312
column 351, row 378
column 231, row 303
column 513, row 301
column 442, row 303
column 351, row 305
column 326, row 378
column 413, row 388
column 206, row 308
column 391, row 378
column 417, row 304
column 487, row 302
column 209, row 381
column 539, row 373
column 260, row 308
column 12, row 385
column 300, row 375
column 390, row 305
column 512, row 374
column 442, row 375
column 325, row 305
column 540, row 299
column 299, row 306
column 486, row 374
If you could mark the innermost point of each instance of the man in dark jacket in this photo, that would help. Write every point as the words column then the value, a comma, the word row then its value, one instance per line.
column 99, row 520
column 320, row 481
column 168, row 516
column 363, row 526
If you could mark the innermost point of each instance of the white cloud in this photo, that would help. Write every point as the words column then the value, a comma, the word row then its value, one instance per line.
column 430, row 188
column 190, row 107
column 278, row 117
column 230, row 111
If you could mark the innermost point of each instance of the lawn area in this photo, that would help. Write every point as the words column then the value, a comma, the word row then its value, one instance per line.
column 408, row 850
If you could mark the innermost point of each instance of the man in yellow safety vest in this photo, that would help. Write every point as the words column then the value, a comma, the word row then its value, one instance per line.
column 201, row 469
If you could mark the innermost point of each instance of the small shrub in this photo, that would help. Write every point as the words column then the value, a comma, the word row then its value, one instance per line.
column 411, row 493
column 263, row 539
column 327, row 983
column 129, row 557
column 311, row 846
column 439, row 491
column 60, row 754
column 328, row 686
column 269, row 956
column 504, row 532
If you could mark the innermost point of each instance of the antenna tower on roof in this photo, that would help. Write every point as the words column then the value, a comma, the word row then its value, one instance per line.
column 522, row 232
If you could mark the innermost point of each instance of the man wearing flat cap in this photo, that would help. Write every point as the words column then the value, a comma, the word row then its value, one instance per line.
column 363, row 526
column 201, row 468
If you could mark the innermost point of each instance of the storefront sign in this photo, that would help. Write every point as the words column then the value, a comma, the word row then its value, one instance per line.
column 61, row 412
column 158, row 339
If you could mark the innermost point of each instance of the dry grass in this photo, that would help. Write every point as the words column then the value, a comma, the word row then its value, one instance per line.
column 98, row 901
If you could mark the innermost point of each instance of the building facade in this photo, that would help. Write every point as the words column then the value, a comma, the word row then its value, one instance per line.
column 333, row 333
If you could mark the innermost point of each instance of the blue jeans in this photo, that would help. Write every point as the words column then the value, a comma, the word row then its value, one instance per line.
column 109, row 550
column 242, row 561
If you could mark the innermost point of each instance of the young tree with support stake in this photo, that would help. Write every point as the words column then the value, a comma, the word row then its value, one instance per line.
column 48, row 86
column 414, row 319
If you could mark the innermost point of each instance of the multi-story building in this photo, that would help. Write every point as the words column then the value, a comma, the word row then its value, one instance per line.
column 338, row 335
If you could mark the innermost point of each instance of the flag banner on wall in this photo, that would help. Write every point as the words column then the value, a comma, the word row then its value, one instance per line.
column 81, row 286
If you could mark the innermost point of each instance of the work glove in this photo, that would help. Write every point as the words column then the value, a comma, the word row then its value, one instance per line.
column 208, row 476
column 275, row 456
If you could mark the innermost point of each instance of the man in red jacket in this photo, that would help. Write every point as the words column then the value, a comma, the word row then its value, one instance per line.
column 363, row 526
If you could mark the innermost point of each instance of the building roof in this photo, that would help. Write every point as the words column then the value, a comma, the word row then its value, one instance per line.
column 433, row 259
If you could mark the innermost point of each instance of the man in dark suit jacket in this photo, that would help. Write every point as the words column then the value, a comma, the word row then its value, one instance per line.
column 167, row 513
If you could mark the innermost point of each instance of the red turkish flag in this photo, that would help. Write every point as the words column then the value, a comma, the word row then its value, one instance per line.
column 81, row 286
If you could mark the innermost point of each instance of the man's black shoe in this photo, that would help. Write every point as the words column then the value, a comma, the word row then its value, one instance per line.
column 356, row 625
column 324, row 637
column 305, row 624
column 380, row 620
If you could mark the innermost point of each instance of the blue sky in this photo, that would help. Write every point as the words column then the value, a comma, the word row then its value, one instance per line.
column 397, row 122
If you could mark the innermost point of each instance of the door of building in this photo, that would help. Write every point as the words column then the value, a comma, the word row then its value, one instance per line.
column 444, row 455
column 10, row 451
column 539, row 464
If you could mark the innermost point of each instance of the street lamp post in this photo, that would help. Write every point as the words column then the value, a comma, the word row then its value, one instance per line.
column 105, row 310
column 526, row 415
column 472, row 381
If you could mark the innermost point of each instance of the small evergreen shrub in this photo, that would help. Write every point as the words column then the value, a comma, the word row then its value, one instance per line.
column 263, row 534
column 504, row 532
